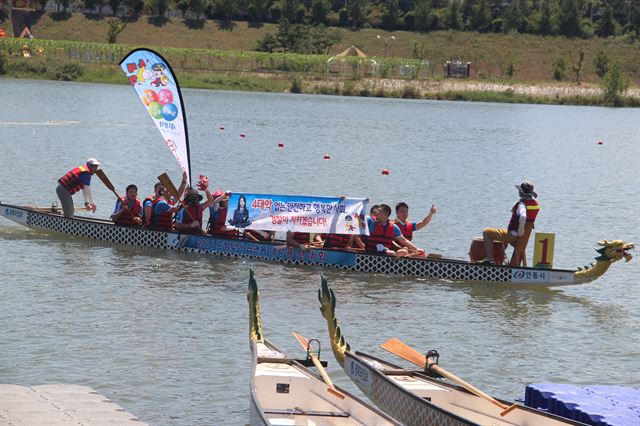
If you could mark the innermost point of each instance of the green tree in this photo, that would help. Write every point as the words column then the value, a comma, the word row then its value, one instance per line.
column 183, row 6
column 454, row 19
column 614, row 84
column 319, row 11
column 577, row 67
column 228, row 8
column 88, row 4
column 544, row 26
column 289, row 10
column 481, row 18
column 391, row 14
column 116, row 26
column 559, row 67
column 197, row 7
column 159, row 6
column 115, row 5
column 568, row 19
column 601, row 63
column 514, row 18
column 257, row 11
column 355, row 12
column 135, row 5
column 423, row 15
column 607, row 25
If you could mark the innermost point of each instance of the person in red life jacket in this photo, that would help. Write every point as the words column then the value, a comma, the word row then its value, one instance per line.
column 128, row 210
column 76, row 179
column 191, row 222
column 383, row 233
column 406, row 226
column 525, row 210
column 303, row 240
column 218, row 216
column 158, row 191
column 162, row 211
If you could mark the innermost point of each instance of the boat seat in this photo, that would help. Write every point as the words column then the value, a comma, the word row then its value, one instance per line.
column 300, row 412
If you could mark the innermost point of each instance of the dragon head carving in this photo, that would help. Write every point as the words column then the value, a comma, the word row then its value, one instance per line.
column 328, row 308
column 255, row 324
column 615, row 250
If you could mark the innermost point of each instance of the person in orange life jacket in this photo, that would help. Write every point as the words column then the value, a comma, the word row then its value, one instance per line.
column 128, row 210
column 525, row 210
column 303, row 240
column 159, row 191
column 407, row 227
column 383, row 233
column 162, row 210
column 193, row 224
column 218, row 216
column 76, row 179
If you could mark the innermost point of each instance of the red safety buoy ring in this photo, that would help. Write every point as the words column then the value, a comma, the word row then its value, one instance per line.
column 242, row 135
column 326, row 157
column 385, row 171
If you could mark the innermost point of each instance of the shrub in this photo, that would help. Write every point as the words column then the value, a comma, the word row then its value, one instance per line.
column 614, row 85
column 601, row 63
column 66, row 71
column 296, row 86
column 559, row 66
column 3, row 62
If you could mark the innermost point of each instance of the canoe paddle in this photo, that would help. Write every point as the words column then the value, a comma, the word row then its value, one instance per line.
column 305, row 345
column 103, row 177
column 165, row 180
column 396, row 347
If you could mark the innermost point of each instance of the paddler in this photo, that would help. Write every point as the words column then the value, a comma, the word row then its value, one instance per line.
column 303, row 240
column 76, row 179
column 158, row 190
column 218, row 216
column 383, row 233
column 407, row 227
column 189, row 217
column 128, row 210
column 525, row 210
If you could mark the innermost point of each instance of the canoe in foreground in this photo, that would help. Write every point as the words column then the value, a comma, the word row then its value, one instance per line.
column 449, row 269
column 285, row 392
column 414, row 398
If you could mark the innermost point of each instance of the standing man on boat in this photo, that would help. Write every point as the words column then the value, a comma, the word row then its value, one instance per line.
column 524, row 211
column 76, row 179
column 383, row 233
column 128, row 210
column 407, row 227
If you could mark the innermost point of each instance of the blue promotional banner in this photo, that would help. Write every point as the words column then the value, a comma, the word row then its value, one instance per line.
column 155, row 84
column 320, row 215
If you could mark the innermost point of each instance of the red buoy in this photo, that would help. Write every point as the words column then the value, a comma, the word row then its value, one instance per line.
column 600, row 143
column 326, row 157
column 280, row 145
column 221, row 127
column 385, row 171
column 242, row 135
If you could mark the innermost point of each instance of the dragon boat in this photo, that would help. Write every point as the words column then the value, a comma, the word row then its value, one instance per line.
column 286, row 392
column 416, row 397
column 51, row 220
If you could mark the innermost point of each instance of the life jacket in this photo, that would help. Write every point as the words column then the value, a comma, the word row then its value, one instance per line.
column 338, row 241
column 302, row 237
column 144, row 214
column 380, row 235
column 126, row 219
column 194, row 213
column 217, row 226
column 161, row 221
column 533, row 207
column 406, row 228
column 257, row 235
column 71, row 180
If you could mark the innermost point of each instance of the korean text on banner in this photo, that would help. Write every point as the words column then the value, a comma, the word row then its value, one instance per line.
column 321, row 215
column 155, row 84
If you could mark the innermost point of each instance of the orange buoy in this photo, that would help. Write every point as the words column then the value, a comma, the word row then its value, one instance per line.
column 242, row 135
column 385, row 171
column 600, row 143
column 280, row 145
column 326, row 157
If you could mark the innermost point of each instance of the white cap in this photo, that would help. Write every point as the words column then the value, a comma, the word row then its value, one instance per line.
column 93, row 162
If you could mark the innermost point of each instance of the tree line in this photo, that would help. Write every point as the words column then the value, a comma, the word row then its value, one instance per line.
column 571, row 18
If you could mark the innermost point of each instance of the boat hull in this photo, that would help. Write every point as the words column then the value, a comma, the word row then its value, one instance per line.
column 455, row 270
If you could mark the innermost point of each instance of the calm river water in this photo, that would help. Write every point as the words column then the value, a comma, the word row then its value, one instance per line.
column 165, row 335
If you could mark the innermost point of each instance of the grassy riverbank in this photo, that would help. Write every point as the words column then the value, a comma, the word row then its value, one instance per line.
column 209, row 57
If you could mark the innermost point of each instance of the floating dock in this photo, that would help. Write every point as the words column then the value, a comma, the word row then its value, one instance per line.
column 60, row 405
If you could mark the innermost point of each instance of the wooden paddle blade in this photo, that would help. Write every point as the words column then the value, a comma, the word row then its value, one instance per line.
column 165, row 180
column 103, row 177
column 304, row 342
column 404, row 351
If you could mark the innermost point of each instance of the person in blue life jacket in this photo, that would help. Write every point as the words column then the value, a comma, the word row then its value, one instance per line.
column 76, row 179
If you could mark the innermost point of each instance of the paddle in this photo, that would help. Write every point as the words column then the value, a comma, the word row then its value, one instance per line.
column 103, row 177
column 165, row 180
column 305, row 344
column 405, row 351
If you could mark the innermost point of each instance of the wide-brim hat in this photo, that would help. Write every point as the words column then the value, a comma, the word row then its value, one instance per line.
column 192, row 193
column 526, row 188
